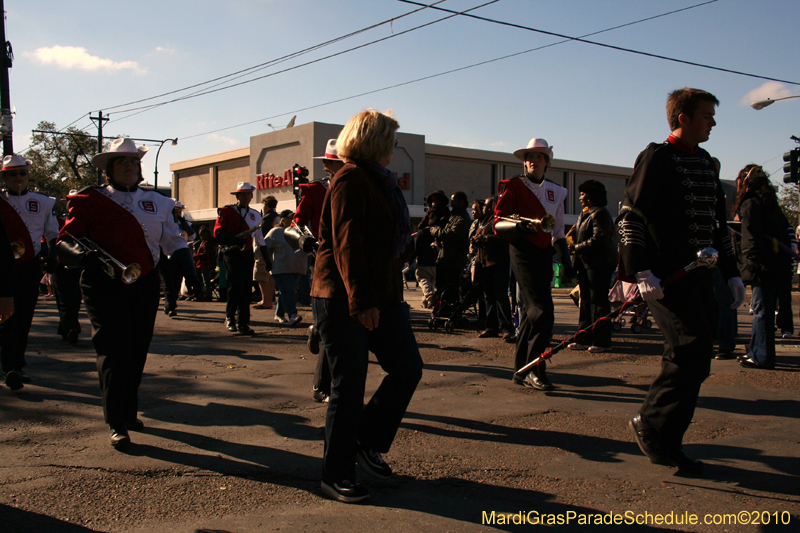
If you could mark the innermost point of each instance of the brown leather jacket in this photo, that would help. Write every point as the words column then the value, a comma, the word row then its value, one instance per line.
column 355, row 260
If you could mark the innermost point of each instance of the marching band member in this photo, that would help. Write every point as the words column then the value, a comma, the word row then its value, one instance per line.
column 532, row 196
column 674, row 207
column 28, row 217
column 233, row 220
column 129, row 225
column 309, row 211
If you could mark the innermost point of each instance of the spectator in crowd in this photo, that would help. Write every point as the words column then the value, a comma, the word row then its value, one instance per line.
column 357, row 292
column 436, row 214
column 170, row 274
column 596, row 258
column 261, row 275
column 205, row 260
column 287, row 267
column 453, row 243
column 727, row 321
column 493, row 256
column 763, row 232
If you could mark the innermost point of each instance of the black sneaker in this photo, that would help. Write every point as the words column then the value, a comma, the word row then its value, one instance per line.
column 172, row 313
column 373, row 464
column 231, row 325
column 119, row 438
column 313, row 340
column 13, row 380
column 345, row 491
column 319, row 395
column 518, row 380
column 246, row 330
column 539, row 383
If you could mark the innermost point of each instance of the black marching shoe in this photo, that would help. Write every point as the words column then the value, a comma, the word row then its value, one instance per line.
column 313, row 340
column 516, row 379
column 72, row 337
column 119, row 438
column 25, row 377
column 244, row 329
column 373, row 464
column 538, row 382
column 231, row 325
column 172, row 313
column 13, row 380
column 134, row 425
column 687, row 467
column 345, row 491
column 648, row 442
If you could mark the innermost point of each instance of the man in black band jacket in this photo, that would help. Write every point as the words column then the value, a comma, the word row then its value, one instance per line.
column 674, row 207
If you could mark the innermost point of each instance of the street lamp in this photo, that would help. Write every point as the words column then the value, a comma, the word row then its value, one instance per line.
column 761, row 104
column 155, row 173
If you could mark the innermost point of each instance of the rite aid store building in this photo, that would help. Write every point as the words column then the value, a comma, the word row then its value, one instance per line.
column 205, row 183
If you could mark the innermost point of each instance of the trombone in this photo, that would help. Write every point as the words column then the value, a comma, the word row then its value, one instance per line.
column 130, row 273
column 546, row 224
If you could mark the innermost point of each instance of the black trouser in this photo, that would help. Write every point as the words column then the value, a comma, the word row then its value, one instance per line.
column 594, row 285
column 122, row 319
column 14, row 331
column 533, row 269
column 171, row 277
column 784, row 319
column 67, row 285
column 347, row 343
column 448, row 278
column 494, row 284
column 686, row 317
column 239, row 270
column 322, row 373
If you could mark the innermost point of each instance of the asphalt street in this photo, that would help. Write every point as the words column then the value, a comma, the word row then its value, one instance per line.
column 233, row 440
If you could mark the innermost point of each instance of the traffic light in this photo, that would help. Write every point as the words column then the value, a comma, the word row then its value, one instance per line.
column 792, row 166
column 299, row 175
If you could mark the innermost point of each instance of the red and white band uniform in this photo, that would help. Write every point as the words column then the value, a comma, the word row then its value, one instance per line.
column 309, row 210
column 231, row 221
column 532, row 262
column 28, row 218
column 132, row 227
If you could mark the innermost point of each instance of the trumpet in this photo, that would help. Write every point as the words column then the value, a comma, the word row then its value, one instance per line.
column 18, row 249
column 130, row 273
column 546, row 224
column 242, row 235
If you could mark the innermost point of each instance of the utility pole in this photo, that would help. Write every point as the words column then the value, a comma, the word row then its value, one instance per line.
column 6, row 56
column 100, row 121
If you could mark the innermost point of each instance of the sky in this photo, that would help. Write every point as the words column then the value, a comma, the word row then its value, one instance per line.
column 592, row 103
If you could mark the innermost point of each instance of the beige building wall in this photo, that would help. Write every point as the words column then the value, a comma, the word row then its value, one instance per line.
column 228, row 177
column 451, row 175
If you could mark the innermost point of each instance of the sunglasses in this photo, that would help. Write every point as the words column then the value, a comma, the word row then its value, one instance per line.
column 133, row 161
column 15, row 173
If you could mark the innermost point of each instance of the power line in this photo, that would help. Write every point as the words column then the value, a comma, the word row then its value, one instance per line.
column 446, row 72
column 209, row 91
column 261, row 66
column 621, row 49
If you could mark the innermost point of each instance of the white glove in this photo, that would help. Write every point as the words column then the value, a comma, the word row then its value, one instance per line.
column 737, row 290
column 649, row 286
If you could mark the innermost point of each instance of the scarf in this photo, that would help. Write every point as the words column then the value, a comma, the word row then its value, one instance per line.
column 402, row 228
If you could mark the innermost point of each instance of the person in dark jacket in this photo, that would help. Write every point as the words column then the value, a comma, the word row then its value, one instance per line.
column 453, row 242
column 425, row 248
column 357, row 297
column 596, row 258
column 493, row 257
column 763, row 232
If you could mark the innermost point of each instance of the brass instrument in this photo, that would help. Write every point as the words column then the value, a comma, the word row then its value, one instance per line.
column 546, row 224
column 18, row 249
column 243, row 234
column 130, row 273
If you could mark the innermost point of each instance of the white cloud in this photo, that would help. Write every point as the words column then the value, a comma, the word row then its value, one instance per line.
column 76, row 57
column 165, row 50
column 222, row 139
column 771, row 89
column 498, row 143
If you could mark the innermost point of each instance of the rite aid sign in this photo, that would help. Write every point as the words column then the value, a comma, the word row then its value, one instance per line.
column 271, row 181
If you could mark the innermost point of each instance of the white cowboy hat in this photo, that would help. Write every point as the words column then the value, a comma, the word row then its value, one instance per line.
column 10, row 162
column 120, row 147
column 330, row 152
column 535, row 145
column 178, row 204
column 243, row 186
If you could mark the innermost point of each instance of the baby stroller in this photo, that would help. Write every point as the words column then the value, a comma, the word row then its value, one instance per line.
column 623, row 292
column 449, row 310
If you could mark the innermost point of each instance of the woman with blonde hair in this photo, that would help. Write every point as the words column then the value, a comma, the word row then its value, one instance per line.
column 357, row 295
